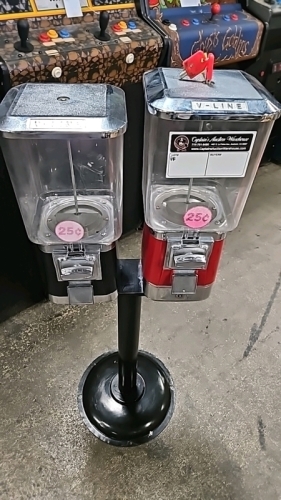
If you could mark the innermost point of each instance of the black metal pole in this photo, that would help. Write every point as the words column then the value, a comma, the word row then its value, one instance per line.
column 129, row 314
column 127, row 398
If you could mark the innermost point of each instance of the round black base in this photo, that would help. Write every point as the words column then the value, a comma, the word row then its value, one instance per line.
column 103, row 37
column 28, row 47
column 121, row 423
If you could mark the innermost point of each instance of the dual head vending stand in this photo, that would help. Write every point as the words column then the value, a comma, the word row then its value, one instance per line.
column 63, row 146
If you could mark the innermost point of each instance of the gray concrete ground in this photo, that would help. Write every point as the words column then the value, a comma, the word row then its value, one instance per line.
column 224, row 354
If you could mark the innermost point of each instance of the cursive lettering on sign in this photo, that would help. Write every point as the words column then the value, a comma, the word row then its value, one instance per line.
column 206, row 44
column 233, row 40
column 231, row 45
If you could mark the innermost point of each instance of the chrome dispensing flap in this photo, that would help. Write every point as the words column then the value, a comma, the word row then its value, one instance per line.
column 234, row 95
column 54, row 110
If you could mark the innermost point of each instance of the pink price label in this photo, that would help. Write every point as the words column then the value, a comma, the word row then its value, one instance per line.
column 69, row 231
column 197, row 217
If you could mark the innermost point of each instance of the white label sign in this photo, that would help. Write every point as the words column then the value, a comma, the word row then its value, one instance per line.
column 56, row 124
column 56, row 4
column 209, row 154
column 219, row 106
column 73, row 8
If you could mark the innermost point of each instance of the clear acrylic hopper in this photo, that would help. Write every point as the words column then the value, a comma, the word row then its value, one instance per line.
column 63, row 146
column 202, row 148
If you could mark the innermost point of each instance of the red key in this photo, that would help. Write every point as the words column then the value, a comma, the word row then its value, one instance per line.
column 198, row 63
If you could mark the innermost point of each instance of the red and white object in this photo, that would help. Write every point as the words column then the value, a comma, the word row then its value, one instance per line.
column 202, row 147
column 199, row 63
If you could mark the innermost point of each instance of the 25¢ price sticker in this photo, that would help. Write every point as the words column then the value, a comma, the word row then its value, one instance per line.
column 197, row 217
column 69, row 231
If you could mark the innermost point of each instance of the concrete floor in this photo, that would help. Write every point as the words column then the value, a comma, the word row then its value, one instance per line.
column 224, row 440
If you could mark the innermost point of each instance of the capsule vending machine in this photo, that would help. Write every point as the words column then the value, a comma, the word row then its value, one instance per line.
column 203, row 144
column 63, row 146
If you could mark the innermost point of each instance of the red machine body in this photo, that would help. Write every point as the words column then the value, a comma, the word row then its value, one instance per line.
column 194, row 279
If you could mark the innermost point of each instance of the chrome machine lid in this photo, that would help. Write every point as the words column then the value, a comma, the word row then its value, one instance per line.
column 59, row 111
column 234, row 95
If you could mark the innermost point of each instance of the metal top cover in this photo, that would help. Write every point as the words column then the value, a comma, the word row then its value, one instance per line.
column 63, row 109
column 233, row 95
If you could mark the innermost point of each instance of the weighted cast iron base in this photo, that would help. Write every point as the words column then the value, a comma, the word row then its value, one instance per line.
column 122, row 423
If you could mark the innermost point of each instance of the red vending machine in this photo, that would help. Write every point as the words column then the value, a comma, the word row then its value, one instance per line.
column 203, row 143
